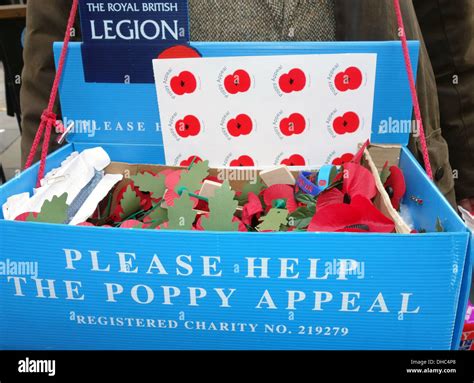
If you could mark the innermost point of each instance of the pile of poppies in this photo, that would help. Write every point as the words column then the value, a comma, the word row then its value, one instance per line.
column 170, row 200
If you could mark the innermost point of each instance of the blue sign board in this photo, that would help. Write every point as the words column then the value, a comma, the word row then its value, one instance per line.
column 121, row 38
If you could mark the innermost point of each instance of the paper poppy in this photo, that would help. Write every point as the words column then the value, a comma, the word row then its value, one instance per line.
column 164, row 225
column 251, row 209
column 85, row 224
column 170, row 196
column 280, row 192
column 360, row 153
column 133, row 224
column 171, row 182
column 190, row 160
column 172, row 179
column 23, row 217
column 359, row 216
column 146, row 202
column 357, row 180
column 395, row 186
column 242, row 227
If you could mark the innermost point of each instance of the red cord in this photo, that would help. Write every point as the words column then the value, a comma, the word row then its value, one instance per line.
column 414, row 95
column 48, row 118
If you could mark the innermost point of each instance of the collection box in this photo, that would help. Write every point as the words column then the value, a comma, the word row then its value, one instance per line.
column 103, row 288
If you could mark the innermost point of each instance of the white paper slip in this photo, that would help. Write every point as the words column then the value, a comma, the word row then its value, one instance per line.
column 296, row 110
column 100, row 191
column 71, row 177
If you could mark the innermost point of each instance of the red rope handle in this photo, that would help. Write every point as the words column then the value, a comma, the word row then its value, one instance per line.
column 48, row 118
column 414, row 95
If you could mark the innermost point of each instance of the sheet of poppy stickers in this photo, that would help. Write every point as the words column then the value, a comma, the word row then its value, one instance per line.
column 263, row 111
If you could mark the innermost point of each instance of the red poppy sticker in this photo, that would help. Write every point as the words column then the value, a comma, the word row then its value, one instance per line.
column 294, row 160
column 241, row 125
column 349, row 122
column 237, row 82
column 350, row 79
column 184, row 83
column 243, row 160
column 189, row 126
column 295, row 123
column 293, row 81
column 190, row 160
column 346, row 157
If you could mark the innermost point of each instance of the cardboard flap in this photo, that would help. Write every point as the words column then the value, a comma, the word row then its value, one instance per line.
column 127, row 113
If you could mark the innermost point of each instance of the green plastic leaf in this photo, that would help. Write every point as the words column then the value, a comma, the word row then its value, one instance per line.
column 148, row 183
column 54, row 211
column 439, row 226
column 191, row 180
column 156, row 216
column 130, row 202
column 222, row 208
column 385, row 173
column 181, row 215
column 301, row 217
column 307, row 199
column 273, row 220
column 254, row 187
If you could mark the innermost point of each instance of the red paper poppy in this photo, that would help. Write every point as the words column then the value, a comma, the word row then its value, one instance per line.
column 358, row 216
column 280, row 191
column 252, row 208
column 358, row 156
column 164, row 225
column 172, row 179
column 171, row 195
column 85, row 224
column 24, row 216
column 202, row 205
column 395, row 186
column 329, row 197
column 242, row 227
column 146, row 202
column 133, row 224
column 190, row 160
column 166, row 172
column 198, row 224
column 357, row 180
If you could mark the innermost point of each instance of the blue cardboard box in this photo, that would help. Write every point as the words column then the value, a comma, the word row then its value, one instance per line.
column 101, row 288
